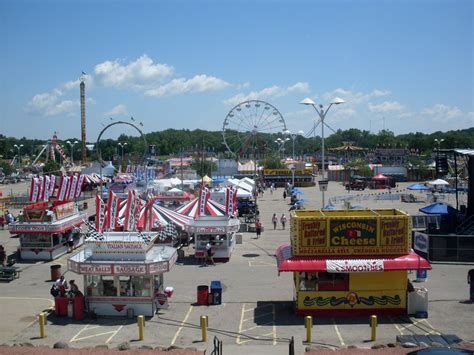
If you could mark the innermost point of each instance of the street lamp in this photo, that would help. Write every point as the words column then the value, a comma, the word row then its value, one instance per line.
column 293, row 137
column 121, row 145
column 19, row 153
column 72, row 149
column 281, row 144
column 438, row 160
column 322, row 115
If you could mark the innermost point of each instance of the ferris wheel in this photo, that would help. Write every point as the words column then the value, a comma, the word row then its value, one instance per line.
column 246, row 124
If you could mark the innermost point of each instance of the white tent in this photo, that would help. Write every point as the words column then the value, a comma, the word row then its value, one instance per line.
column 438, row 182
column 249, row 181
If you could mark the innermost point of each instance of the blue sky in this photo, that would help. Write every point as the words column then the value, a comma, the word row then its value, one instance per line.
column 405, row 66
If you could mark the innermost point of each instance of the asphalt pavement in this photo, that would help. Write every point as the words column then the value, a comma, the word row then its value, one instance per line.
column 256, row 314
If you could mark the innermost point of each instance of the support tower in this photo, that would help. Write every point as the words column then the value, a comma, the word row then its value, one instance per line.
column 83, row 117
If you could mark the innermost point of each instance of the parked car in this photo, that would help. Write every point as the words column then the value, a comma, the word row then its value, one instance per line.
column 356, row 184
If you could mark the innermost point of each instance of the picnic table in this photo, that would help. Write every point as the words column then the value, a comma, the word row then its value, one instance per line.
column 9, row 273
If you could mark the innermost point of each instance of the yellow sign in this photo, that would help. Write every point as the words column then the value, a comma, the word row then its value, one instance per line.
column 371, row 232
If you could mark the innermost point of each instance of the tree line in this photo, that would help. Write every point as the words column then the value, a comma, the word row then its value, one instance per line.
column 184, row 142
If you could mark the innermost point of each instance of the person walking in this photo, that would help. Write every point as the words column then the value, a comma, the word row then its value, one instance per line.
column 283, row 221
column 470, row 281
column 258, row 228
column 274, row 220
column 209, row 253
column 284, row 194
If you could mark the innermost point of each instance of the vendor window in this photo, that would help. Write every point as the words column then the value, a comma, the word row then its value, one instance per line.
column 135, row 286
column 308, row 281
column 98, row 285
column 333, row 281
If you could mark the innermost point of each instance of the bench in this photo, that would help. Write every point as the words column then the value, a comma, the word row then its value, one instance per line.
column 9, row 273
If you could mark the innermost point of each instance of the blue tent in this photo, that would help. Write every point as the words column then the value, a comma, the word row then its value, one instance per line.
column 438, row 208
column 418, row 187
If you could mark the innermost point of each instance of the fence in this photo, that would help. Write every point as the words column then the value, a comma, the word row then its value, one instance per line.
column 453, row 248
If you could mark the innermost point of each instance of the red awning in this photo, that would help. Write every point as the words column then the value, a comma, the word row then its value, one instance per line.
column 337, row 264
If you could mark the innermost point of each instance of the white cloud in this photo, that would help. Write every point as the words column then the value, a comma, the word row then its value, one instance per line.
column 442, row 112
column 385, row 106
column 273, row 91
column 49, row 104
column 74, row 84
column 119, row 110
column 199, row 83
column 133, row 75
column 353, row 98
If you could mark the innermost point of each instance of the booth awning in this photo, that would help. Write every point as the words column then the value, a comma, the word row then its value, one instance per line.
column 337, row 264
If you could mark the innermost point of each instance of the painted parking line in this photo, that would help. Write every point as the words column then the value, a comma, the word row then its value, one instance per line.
column 253, row 263
column 181, row 325
column 416, row 324
column 79, row 335
column 244, row 318
column 336, row 328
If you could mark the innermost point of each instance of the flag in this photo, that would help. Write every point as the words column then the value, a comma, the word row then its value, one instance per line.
column 99, row 213
column 80, row 182
column 129, row 209
column 72, row 189
column 230, row 200
column 34, row 189
column 63, row 184
column 203, row 197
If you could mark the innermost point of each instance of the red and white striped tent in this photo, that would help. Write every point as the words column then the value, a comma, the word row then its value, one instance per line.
column 162, row 216
column 212, row 208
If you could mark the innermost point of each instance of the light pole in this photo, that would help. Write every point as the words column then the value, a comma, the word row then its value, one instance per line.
column 121, row 145
column 293, row 137
column 322, row 115
column 72, row 149
column 438, row 143
column 19, row 153
column 281, row 145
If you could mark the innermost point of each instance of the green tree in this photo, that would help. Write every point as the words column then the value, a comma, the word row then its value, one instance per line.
column 6, row 168
column 51, row 167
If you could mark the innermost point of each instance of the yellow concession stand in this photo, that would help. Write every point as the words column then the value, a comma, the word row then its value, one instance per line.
column 350, row 262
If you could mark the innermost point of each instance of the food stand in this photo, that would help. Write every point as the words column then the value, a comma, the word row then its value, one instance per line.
column 46, row 229
column 219, row 232
column 123, row 273
column 350, row 262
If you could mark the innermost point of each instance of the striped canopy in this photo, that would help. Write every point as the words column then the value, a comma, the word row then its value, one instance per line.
column 212, row 208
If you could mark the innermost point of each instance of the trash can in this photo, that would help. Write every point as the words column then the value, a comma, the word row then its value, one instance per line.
column 55, row 272
column 60, row 306
column 86, row 205
column 202, row 294
column 238, row 238
column 421, row 275
column 130, row 313
column 216, row 291
column 78, row 307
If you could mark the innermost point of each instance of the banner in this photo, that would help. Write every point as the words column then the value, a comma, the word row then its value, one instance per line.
column 62, row 188
column 355, row 265
column 47, row 181
column 128, row 211
column 72, row 189
column 99, row 213
column 52, row 185
column 230, row 200
column 34, row 189
column 136, row 211
column 40, row 188
column 203, row 197
column 80, row 182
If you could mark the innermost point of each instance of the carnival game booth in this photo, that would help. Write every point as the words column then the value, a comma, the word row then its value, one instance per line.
column 123, row 273
column 212, row 223
column 350, row 262
column 49, row 231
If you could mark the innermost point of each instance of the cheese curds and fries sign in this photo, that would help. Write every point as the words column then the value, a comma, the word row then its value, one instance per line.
column 350, row 232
